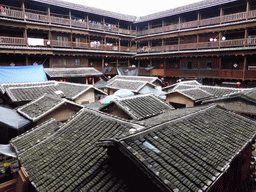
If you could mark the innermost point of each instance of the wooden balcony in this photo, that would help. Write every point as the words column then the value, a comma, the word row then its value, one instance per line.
column 250, row 75
column 13, row 41
column 62, row 20
column 200, row 45
column 201, row 23
column 231, row 74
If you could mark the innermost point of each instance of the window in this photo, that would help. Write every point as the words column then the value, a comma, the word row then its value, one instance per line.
column 209, row 64
column 77, row 42
column 189, row 66
column 62, row 41
column 77, row 62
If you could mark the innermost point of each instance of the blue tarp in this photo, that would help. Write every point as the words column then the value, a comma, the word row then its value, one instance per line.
column 22, row 74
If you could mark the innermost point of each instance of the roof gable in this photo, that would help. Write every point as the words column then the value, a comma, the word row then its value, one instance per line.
column 195, row 94
column 141, row 106
column 133, row 85
column 42, row 106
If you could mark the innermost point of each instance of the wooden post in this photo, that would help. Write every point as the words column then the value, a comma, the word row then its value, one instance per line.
column 197, row 41
column 118, row 26
column 70, row 18
column 71, row 39
column 26, row 60
column 138, row 63
column 244, row 67
column 104, row 24
column 247, row 9
column 23, row 10
column 25, row 35
column 178, row 43
column 220, row 67
column 163, row 45
column 49, row 14
column 198, row 18
column 86, row 80
column 220, row 38
column 221, row 14
column 117, row 64
column 148, row 28
column 179, row 22
column 102, row 63
column 87, row 21
column 245, row 37
column 119, row 45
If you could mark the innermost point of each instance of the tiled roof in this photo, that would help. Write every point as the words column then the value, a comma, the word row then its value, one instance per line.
column 34, row 136
column 141, row 106
column 183, row 9
column 184, row 83
column 101, row 84
column 251, row 93
column 195, row 94
column 21, row 92
column 192, row 152
column 71, row 72
column 239, row 102
column 135, row 78
column 130, row 18
column 68, row 160
column 18, row 94
column 133, row 85
column 42, row 106
column 214, row 90
column 5, row 86
column 74, row 90
column 88, row 9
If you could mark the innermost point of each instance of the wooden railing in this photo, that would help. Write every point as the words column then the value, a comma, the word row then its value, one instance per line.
column 12, row 41
column 73, row 22
column 200, row 23
column 200, row 45
column 112, row 28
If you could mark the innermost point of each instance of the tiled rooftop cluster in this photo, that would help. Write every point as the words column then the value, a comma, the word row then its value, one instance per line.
column 191, row 152
column 71, row 72
column 68, row 160
column 211, row 90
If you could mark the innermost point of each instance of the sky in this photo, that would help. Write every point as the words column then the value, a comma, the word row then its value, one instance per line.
column 134, row 7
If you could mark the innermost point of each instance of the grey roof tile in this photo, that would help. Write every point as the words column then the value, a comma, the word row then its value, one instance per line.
column 25, row 92
column 190, row 152
column 68, row 159
column 42, row 106
column 133, row 85
column 141, row 106
column 71, row 72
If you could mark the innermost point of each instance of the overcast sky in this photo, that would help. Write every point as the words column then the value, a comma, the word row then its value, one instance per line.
column 134, row 7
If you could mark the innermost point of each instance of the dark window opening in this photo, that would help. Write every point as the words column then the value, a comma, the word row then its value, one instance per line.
column 177, row 105
column 189, row 65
